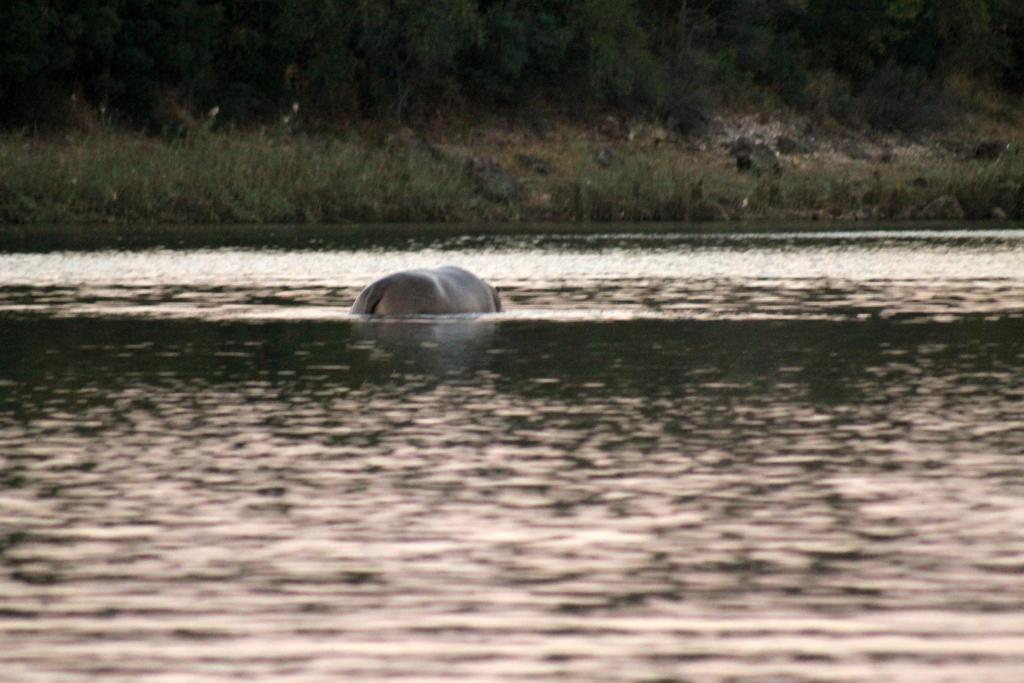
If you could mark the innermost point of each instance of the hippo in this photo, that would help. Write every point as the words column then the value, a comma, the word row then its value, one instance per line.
column 440, row 291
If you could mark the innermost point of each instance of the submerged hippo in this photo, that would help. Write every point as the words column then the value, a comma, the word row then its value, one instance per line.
column 438, row 291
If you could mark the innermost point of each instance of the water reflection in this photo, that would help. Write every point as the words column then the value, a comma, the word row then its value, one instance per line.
column 442, row 344
column 591, row 277
column 822, row 482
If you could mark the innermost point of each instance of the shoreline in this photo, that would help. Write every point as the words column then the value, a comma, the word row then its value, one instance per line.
column 121, row 237
column 743, row 169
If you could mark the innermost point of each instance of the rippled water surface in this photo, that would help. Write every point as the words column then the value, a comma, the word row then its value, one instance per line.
column 676, row 456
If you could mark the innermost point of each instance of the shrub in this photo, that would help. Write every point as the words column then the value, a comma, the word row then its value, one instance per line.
column 523, row 47
column 905, row 100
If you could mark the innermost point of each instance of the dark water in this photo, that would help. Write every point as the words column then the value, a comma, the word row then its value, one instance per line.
column 771, row 457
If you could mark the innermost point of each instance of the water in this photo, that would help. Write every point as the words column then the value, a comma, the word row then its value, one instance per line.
column 761, row 457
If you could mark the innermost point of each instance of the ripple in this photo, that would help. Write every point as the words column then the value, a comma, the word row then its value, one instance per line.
column 792, row 470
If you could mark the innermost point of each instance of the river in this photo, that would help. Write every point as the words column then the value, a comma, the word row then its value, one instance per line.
column 748, row 456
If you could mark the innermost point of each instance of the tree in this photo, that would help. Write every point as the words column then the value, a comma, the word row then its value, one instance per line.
column 407, row 49
column 25, row 48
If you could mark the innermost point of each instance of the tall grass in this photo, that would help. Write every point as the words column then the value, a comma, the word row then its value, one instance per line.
column 901, row 190
column 655, row 185
column 664, row 185
column 985, row 186
column 243, row 177
column 236, row 178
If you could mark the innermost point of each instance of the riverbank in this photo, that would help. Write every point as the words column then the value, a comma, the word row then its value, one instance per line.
column 738, row 168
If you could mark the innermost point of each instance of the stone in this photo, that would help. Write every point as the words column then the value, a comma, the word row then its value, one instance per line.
column 607, row 156
column 741, row 145
column 756, row 158
column 744, row 161
column 990, row 150
column 945, row 207
column 611, row 127
column 491, row 178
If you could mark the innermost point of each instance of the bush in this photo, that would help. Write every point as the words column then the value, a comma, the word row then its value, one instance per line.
column 905, row 100
column 616, row 64
column 140, row 59
column 831, row 95
column 523, row 48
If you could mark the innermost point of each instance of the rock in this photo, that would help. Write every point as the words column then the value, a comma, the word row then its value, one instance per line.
column 607, row 156
column 536, row 164
column 990, row 149
column 788, row 145
column 491, row 178
column 945, row 207
column 611, row 127
column 741, row 145
column 743, row 149
column 686, row 119
column 755, row 157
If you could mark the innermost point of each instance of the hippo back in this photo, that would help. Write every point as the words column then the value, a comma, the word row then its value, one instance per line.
column 446, row 290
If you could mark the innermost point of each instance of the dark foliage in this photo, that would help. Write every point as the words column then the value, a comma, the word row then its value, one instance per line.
column 904, row 100
column 147, row 60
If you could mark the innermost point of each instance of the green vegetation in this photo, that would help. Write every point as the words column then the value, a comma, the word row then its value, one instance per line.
column 262, row 178
column 244, row 178
column 667, row 186
column 277, row 111
column 163, row 64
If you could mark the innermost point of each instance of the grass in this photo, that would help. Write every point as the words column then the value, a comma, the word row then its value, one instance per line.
column 252, row 177
column 245, row 178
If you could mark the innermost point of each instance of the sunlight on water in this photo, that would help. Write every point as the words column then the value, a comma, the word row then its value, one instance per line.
column 779, row 457
column 601, row 276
